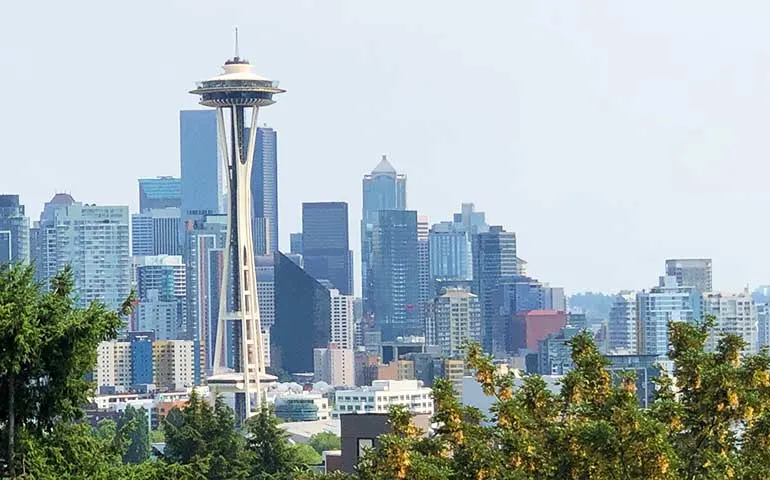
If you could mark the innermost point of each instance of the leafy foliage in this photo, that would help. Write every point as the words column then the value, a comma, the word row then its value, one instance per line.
column 48, row 347
column 133, row 432
column 324, row 441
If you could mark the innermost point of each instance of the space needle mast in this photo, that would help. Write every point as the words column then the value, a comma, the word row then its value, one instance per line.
column 237, row 94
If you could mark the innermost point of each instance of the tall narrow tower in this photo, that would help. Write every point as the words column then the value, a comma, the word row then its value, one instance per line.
column 237, row 95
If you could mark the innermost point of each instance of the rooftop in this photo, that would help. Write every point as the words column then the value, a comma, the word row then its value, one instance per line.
column 384, row 167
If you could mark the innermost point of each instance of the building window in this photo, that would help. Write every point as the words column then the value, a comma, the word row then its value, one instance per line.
column 364, row 444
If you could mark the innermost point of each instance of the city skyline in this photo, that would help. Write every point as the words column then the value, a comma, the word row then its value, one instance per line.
column 673, row 129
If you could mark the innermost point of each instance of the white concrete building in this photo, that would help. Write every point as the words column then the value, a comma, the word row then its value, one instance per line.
column 457, row 314
column 113, row 365
column 334, row 366
column 382, row 394
column 622, row 326
column 342, row 320
column 174, row 364
column 734, row 313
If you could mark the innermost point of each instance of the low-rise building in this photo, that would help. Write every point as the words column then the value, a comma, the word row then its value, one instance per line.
column 302, row 407
column 382, row 395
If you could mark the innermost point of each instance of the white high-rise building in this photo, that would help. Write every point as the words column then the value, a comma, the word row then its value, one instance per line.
column 733, row 313
column 457, row 314
column 334, row 366
column 668, row 302
column 93, row 240
column 691, row 272
column 342, row 320
column 763, row 326
column 622, row 325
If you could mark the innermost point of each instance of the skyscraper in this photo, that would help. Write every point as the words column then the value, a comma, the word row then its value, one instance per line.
column 325, row 244
column 93, row 240
column 424, row 283
column 494, row 257
column 395, row 274
column 513, row 295
column 264, row 191
column 295, row 243
column 450, row 252
column 622, row 325
column 14, row 230
column 161, row 291
column 383, row 189
column 457, row 319
column 205, row 243
column 201, row 182
column 668, row 302
column 160, row 192
column 691, row 272
column 342, row 322
column 733, row 314
column 302, row 317
column 155, row 231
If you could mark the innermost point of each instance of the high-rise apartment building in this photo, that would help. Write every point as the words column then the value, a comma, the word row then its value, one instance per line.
column 763, row 326
column 174, row 364
column 325, row 246
column 160, row 192
column 342, row 322
column 394, row 274
column 691, row 272
column 383, row 189
column 14, row 231
column 668, row 302
column 334, row 365
column 264, row 191
column 424, row 281
column 530, row 327
column 161, row 290
column 201, row 181
column 622, row 325
column 733, row 314
column 156, row 232
column 93, row 240
column 457, row 321
column 302, row 317
column 494, row 257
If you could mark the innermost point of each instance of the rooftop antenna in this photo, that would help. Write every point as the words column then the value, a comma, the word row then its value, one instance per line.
column 236, row 44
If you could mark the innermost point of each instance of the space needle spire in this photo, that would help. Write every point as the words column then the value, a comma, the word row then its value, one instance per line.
column 237, row 95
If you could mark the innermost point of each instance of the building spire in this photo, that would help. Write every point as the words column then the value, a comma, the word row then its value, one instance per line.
column 236, row 44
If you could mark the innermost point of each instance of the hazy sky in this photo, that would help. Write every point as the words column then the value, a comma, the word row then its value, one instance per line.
column 608, row 135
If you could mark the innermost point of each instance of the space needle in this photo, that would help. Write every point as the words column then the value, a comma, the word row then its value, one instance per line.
column 237, row 94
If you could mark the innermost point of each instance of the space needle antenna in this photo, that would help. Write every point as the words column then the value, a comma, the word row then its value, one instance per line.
column 236, row 42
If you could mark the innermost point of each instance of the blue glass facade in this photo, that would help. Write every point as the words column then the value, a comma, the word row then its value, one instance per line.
column 141, row 361
column 383, row 189
column 14, row 230
column 264, row 191
column 494, row 257
column 161, row 192
column 514, row 295
column 325, row 244
column 450, row 252
column 201, row 189
column 395, row 274
column 302, row 317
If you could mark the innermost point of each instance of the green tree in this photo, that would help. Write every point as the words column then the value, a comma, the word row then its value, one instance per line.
column 157, row 436
column 205, row 437
column 133, row 433
column 269, row 445
column 306, row 455
column 106, row 430
column 47, row 347
column 324, row 441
